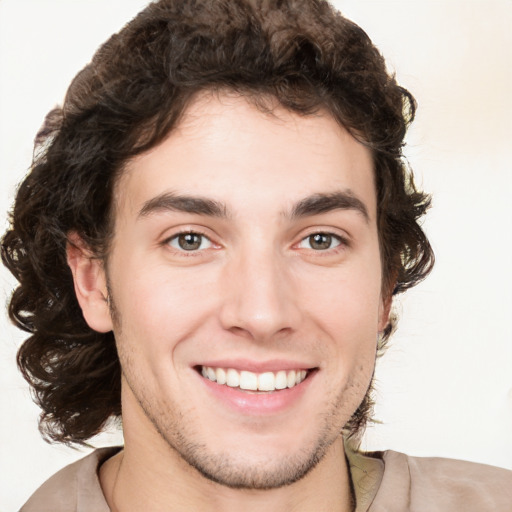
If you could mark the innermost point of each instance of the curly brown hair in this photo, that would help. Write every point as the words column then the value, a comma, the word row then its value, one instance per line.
column 302, row 53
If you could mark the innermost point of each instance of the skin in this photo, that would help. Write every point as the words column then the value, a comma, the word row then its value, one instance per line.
column 257, row 291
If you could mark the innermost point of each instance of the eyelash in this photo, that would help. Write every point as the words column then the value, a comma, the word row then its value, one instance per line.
column 342, row 242
column 183, row 252
column 331, row 237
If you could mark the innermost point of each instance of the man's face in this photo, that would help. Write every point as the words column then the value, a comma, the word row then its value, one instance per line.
column 246, row 250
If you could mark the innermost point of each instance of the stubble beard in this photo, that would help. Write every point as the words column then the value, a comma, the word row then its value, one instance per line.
column 228, row 471
column 223, row 469
column 232, row 470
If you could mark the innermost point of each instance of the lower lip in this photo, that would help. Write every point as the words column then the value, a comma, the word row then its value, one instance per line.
column 254, row 403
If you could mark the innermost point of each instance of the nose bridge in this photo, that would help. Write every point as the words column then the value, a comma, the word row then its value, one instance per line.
column 259, row 298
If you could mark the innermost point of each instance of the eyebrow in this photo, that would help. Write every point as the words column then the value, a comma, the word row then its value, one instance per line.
column 170, row 201
column 315, row 204
column 323, row 203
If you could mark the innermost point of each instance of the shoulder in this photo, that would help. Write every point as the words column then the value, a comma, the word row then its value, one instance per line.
column 75, row 487
column 431, row 483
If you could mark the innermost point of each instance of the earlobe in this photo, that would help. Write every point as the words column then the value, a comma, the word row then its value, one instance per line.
column 384, row 312
column 90, row 284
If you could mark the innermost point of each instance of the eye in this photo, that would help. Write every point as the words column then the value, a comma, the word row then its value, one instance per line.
column 320, row 242
column 190, row 242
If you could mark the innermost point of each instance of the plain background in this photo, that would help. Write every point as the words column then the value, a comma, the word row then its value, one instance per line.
column 445, row 386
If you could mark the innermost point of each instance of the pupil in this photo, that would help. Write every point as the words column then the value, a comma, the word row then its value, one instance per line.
column 189, row 241
column 320, row 241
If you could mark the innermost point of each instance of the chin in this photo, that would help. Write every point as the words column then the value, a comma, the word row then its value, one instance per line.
column 235, row 470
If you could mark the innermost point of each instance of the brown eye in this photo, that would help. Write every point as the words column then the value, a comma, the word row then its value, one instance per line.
column 190, row 242
column 320, row 242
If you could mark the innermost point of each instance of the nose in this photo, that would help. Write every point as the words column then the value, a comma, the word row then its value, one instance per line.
column 259, row 299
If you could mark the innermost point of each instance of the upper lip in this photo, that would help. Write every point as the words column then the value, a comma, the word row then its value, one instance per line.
column 274, row 365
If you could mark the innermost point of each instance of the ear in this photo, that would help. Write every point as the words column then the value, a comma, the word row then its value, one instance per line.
column 384, row 311
column 90, row 283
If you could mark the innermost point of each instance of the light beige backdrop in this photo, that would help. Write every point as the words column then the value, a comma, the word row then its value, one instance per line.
column 445, row 385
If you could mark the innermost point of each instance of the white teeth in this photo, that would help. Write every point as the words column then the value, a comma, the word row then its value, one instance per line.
column 232, row 378
column 249, row 381
column 221, row 376
column 281, row 380
column 291, row 379
column 266, row 381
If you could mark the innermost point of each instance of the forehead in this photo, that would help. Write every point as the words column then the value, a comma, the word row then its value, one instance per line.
column 228, row 149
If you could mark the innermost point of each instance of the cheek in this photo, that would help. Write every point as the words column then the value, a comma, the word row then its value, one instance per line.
column 345, row 302
column 347, row 309
column 159, row 305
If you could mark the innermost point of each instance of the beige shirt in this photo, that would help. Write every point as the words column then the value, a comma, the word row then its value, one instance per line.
column 383, row 482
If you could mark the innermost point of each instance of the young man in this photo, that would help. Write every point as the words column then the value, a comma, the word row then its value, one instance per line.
column 208, row 245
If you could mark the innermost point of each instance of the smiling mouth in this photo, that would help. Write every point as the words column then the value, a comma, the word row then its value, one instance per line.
column 250, row 381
